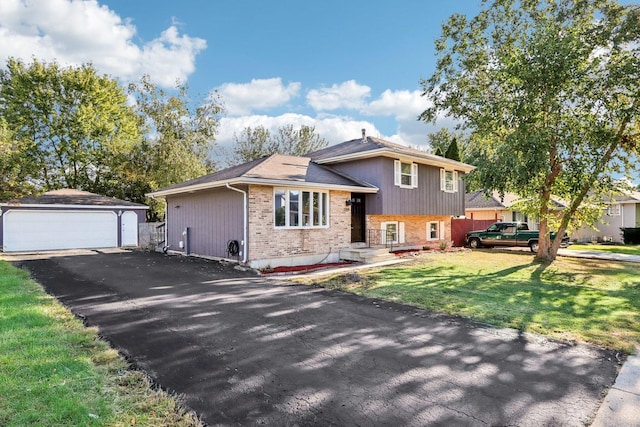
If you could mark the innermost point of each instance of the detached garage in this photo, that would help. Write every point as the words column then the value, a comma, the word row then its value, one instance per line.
column 69, row 219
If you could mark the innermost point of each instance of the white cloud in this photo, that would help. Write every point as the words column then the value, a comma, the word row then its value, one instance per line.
column 76, row 32
column 348, row 94
column 259, row 94
column 401, row 104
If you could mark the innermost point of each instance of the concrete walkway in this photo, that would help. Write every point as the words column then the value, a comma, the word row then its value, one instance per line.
column 621, row 407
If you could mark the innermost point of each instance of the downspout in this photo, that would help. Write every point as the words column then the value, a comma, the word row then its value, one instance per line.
column 166, row 229
column 245, row 245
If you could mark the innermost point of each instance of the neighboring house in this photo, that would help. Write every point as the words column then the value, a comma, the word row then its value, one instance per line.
column 69, row 219
column 622, row 211
column 286, row 210
column 480, row 207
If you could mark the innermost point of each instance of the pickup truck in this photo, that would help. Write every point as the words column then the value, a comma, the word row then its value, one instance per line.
column 507, row 234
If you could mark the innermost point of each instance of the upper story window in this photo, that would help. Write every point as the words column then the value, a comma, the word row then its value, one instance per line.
column 295, row 208
column 614, row 209
column 405, row 174
column 448, row 181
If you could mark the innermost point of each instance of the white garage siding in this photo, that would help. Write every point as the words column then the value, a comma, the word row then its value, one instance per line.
column 26, row 230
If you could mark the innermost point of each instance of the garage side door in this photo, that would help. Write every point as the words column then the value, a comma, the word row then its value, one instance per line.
column 46, row 230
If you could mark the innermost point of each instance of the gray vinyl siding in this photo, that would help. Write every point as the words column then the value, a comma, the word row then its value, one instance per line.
column 427, row 199
column 214, row 217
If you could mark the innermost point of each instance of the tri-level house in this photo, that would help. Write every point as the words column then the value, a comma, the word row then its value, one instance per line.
column 287, row 210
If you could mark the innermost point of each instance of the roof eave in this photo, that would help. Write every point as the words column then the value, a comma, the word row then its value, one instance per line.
column 67, row 206
column 261, row 181
column 492, row 208
column 427, row 159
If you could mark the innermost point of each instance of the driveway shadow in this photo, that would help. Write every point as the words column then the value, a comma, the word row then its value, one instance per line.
column 245, row 350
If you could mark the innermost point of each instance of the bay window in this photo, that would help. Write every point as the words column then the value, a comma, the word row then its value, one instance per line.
column 295, row 208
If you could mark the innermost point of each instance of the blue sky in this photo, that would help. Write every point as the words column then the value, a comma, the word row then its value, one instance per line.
column 338, row 65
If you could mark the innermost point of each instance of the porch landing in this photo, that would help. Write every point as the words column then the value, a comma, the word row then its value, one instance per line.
column 367, row 255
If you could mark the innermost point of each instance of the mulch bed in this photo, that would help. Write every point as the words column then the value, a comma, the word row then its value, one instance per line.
column 301, row 268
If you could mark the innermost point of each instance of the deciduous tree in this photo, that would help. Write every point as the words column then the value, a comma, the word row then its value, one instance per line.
column 254, row 143
column 548, row 90
column 64, row 126
column 177, row 143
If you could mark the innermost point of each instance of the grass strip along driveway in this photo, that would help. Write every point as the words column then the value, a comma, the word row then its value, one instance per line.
column 570, row 299
column 54, row 371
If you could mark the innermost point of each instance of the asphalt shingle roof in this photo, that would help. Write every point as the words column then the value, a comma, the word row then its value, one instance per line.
column 69, row 196
column 277, row 167
column 370, row 144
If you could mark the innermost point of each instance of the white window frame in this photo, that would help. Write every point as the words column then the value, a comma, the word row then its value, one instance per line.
column 453, row 188
column 399, row 232
column 398, row 174
column 614, row 209
column 439, row 230
column 323, row 208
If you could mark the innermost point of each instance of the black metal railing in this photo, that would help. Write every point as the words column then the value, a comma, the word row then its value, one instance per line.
column 157, row 236
column 384, row 238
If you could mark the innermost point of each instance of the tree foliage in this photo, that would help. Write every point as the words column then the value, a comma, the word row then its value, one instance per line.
column 15, row 165
column 177, row 142
column 439, row 141
column 452, row 151
column 62, row 127
column 254, row 143
column 548, row 90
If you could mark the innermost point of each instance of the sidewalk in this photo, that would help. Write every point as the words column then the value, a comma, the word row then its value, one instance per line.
column 621, row 407
column 599, row 255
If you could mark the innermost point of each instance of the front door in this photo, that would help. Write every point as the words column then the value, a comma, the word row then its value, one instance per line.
column 357, row 218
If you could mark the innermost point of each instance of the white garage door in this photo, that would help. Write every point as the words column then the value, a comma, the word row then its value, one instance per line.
column 45, row 230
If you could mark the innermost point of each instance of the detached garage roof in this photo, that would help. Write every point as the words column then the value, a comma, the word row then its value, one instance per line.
column 68, row 197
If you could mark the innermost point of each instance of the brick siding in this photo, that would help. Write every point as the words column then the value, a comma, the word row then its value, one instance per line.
column 415, row 228
column 269, row 243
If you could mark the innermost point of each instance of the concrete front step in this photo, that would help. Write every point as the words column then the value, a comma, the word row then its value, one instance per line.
column 367, row 255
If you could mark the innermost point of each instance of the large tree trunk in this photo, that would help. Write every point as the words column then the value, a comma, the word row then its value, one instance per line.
column 545, row 252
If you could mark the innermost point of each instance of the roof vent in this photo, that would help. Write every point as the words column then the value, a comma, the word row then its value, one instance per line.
column 364, row 135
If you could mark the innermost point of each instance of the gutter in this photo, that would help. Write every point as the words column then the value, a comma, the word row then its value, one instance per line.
column 261, row 181
column 245, row 220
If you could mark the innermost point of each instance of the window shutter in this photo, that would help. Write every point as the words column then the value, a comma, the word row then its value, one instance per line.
column 397, row 180
column 414, row 175
column 455, row 181
column 401, row 232
column 441, row 235
column 443, row 183
column 383, row 234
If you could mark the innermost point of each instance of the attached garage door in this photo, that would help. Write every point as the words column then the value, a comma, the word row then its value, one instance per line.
column 45, row 230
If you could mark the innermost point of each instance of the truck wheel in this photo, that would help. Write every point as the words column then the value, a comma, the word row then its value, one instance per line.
column 533, row 246
column 474, row 243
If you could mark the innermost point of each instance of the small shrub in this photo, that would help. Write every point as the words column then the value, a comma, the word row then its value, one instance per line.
column 631, row 236
column 443, row 245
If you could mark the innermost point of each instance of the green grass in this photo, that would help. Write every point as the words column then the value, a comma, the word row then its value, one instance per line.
column 617, row 249
column 570, row 299
column 54, row 371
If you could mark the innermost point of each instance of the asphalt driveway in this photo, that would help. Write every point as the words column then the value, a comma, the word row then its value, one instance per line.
column 244, row 350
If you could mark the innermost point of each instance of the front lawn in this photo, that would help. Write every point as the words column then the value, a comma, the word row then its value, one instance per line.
column 616, row 249
column 55, row 372
column 572, row 299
